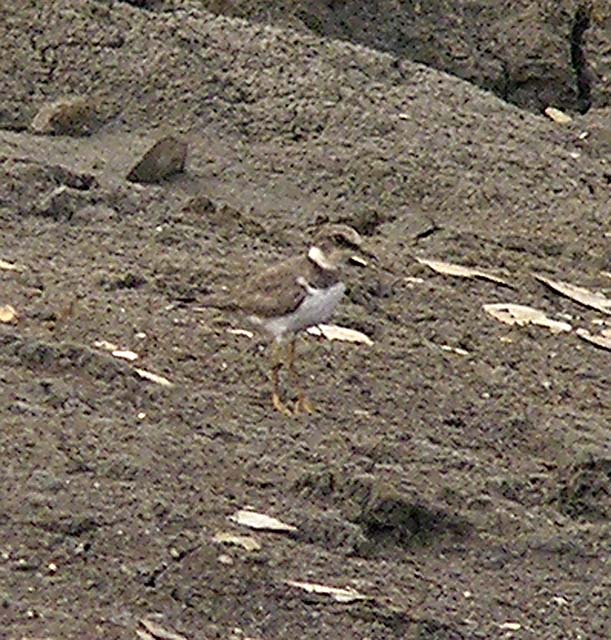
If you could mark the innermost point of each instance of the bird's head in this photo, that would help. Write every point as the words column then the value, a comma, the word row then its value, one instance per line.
column 335, row 244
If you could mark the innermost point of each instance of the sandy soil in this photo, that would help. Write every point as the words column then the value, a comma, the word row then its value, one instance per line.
column 457, row 472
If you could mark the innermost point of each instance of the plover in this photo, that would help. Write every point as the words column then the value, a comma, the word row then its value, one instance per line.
column 293, row 295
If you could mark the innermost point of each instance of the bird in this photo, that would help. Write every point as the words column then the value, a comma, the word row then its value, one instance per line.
column 292, row 295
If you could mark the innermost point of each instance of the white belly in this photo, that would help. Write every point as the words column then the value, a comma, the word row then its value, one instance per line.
column 317, row 307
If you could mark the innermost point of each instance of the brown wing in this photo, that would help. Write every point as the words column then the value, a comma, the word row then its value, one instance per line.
column 275, row 291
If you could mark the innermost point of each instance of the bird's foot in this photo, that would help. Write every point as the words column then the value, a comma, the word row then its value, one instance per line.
column 280, row 406
column 303, row 406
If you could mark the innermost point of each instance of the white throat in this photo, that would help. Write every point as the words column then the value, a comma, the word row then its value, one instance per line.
column 317, row 256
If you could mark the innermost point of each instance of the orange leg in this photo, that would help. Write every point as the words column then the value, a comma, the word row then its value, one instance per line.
column 275, row 375
column 303, row 405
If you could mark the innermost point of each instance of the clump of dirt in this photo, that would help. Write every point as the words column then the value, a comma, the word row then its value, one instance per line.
column 389, row 517
column 368, row 518
column 586, row 494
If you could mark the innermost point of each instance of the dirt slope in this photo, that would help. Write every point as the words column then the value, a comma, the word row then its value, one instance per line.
column 533, row 54
column 464, row 490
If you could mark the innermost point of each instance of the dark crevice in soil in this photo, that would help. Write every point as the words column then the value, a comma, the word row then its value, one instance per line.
column 583, row 75
column 505, row 82
column 13, row 127
column 143, row 4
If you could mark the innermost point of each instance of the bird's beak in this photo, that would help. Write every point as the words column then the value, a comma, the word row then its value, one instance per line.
column 370, row 254
column 363, row 257
column 371, row 260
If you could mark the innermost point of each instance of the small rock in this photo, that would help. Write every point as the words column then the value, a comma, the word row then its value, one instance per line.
column 165, row 158
column 70, row 116
column 246, row 542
